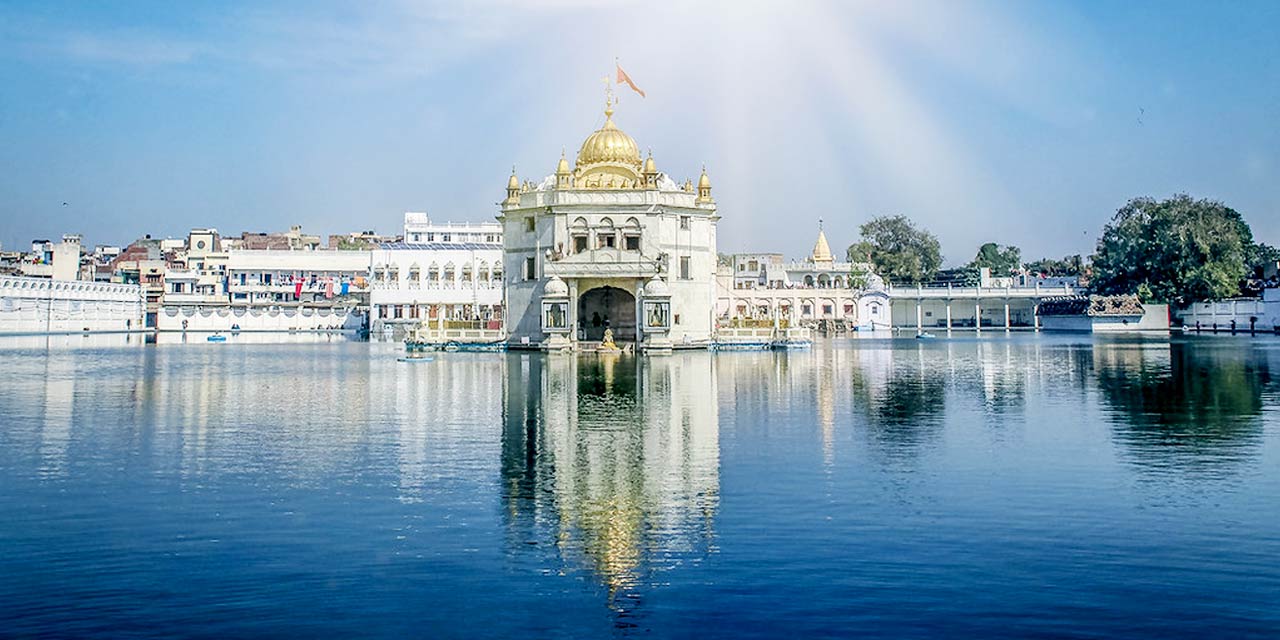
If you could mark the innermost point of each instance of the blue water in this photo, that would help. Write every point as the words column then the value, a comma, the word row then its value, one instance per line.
column 1002, row 487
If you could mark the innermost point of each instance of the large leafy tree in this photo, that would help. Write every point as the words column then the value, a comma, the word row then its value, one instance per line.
column 1262, row 255
column 1000, row 260
column 900, row 251
column 1179, row 250
column 1072, row 265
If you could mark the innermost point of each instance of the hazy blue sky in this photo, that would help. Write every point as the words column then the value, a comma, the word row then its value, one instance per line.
column 1020, row 122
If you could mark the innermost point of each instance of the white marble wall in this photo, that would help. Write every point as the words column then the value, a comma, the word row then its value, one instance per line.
column 222, row 318
column 41, row 305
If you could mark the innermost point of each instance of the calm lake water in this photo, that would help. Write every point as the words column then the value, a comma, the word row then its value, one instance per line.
column 997, row 487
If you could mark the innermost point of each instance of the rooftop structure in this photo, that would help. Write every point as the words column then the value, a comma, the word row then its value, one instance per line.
column 419, row 229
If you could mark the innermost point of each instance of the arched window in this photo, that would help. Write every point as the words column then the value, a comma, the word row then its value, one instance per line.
column 631, row 235
column 579, row 235
column 606, row 235
column 808, row 281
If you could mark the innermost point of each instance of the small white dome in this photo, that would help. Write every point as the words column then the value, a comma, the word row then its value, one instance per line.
column 656, row 288
column 556, row 287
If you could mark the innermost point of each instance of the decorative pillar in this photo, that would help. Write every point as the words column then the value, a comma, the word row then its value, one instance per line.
column 555, row 316
column 655, row 317
column 919, row 316
column 977, row 315
column 1006, row 314
column 573, row 310
column 948, row 311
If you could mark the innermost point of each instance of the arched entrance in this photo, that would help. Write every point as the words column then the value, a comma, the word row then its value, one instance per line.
column 607, row 307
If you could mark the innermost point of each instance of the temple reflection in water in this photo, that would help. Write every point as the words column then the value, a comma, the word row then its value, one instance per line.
column 614, row 460
column 558, row 495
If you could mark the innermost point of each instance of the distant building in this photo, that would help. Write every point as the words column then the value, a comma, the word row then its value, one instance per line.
column 763, row 288
column 360, row 241
column 59, row 261
column 292, row 240
column 274, row 277
column 199, row 274
column 145, row 263
column 11, row 263
column 419, row 229
column 97, row 267
column 434, row 282
column 249, row 290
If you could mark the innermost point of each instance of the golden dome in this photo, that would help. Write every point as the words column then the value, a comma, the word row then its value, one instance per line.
column 609, row 144
column 704, row 182
column 649, row 166
column 563, row 165
column 513, row 182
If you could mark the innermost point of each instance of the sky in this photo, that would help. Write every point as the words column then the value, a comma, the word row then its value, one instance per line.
column 1024, row 123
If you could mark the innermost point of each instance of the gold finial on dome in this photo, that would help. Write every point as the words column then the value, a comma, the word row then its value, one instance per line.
column 650, row 173
column 564, row 179
column 609, row 158
column 513, row 188
column 704, row 186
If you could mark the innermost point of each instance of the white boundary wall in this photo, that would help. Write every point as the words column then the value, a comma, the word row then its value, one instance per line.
column 1155, row 319
column 42, row 305
column 1265, row 312
column 283, row 318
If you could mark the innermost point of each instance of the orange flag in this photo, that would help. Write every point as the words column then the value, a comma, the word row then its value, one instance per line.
column 623, row 77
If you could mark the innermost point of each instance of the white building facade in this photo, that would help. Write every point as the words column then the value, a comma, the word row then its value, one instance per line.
column 267, row 290
column 437, row 282
column 611, row 244
column 258, row 277
column 419, row 229
column 764, row 289
column 46, row 305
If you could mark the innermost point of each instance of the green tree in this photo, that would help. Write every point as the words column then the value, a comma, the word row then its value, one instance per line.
column 1178, row 250
column 1072, row 265
column 900, row 251
column 859, row 275
column 1002, row 261
column 1262, row 255
column 349, row 244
